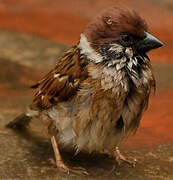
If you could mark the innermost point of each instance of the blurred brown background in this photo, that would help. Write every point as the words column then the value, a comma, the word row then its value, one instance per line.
column 33, row 34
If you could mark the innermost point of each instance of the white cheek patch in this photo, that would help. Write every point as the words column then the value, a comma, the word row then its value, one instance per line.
column 87, row 50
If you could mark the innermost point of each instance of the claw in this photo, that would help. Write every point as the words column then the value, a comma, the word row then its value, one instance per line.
column 119, row 157
column 66, row 169
column 75, row 170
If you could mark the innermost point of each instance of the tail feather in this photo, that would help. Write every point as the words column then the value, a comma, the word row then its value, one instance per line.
column 23, row 119
column 19, row 122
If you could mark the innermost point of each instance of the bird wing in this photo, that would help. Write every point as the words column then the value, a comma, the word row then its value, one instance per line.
column 62, row 82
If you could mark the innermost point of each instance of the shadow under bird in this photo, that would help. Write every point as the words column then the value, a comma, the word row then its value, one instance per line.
column 96, row 94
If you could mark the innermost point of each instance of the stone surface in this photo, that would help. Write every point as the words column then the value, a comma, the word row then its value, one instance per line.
column 28, row 154
column 30, row 51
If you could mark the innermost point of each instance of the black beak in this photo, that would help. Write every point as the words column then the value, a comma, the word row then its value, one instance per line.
column 149, row 43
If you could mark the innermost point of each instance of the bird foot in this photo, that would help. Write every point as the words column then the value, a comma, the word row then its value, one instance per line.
column 60, row 163
column 119, row 158
column 66, row 169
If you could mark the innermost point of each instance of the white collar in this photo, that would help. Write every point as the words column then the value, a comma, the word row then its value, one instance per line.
column 87, row 50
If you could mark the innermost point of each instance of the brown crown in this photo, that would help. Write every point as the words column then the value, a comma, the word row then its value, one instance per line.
column 111, row 23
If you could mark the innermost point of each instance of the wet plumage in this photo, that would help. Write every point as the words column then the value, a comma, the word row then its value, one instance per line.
column 97, row 92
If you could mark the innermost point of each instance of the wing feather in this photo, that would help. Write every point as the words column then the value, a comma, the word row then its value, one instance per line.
column 62, row 82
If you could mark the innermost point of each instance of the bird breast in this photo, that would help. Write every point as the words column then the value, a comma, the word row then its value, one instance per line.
column 88, row 121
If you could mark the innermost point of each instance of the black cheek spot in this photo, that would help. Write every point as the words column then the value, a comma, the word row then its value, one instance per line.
column 104, row 48
column 119, row 124
column 110, row 54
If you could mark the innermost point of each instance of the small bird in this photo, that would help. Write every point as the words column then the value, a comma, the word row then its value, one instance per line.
column 96, row 94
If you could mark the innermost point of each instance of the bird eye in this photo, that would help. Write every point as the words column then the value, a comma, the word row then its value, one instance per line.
column 125, row 37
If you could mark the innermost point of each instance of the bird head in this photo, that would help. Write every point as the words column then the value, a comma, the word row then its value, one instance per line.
column 117, row 36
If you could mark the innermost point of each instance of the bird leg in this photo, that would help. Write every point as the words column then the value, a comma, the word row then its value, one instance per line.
column 60, row 163
column 119, row 157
